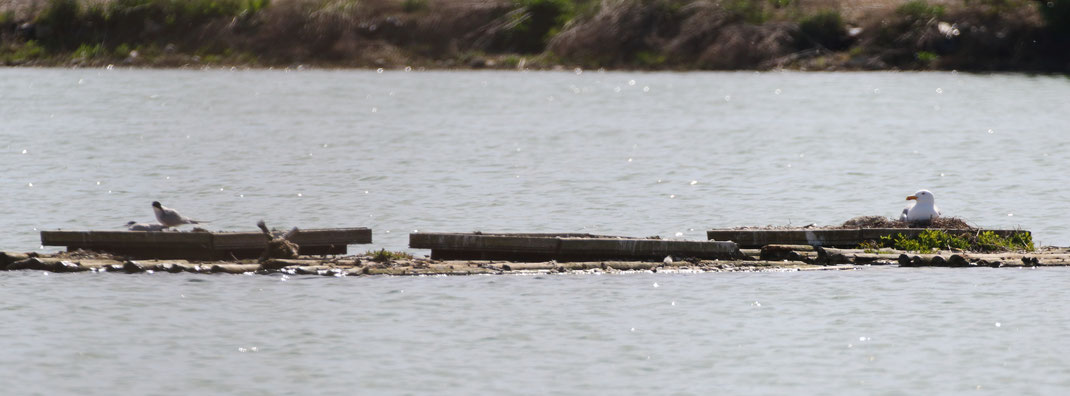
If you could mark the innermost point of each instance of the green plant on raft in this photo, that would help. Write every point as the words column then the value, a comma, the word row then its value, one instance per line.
column 926, row 241
column 942, row 240
column 383, row 255
column 870, row 246
column 989, row 241
column 1022, row 241
column 930, row 240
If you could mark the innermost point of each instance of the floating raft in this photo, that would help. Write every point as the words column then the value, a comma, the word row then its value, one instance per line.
column 840, row 238
column 201, row 245
column 564, row 247
column 339, row 266
column 773, row 258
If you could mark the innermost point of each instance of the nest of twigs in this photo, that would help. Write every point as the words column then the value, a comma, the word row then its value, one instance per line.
column 278, row 247
column 951, row 223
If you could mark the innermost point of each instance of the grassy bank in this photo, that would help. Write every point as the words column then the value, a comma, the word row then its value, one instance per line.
column 979, row 35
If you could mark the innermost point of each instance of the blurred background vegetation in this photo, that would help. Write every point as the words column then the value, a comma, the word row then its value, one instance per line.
column 976, row 35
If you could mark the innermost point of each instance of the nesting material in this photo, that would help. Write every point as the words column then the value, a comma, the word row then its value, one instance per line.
column 869, row 222
column 950, row 223
column 278, row 247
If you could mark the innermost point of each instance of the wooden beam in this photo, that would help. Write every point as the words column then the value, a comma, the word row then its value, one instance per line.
column 840, row 238
column 563, row 247
column 201, row 245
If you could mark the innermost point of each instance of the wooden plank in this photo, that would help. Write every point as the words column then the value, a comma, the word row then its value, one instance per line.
column 239, row 253
column 487, row 242
column 840, row 238
column 135, row 244
column 468, row 246
column 309, row 237
column 201, row 245
column 752, row 239
column 562, row 247
column 89, row 238
column 645, row 249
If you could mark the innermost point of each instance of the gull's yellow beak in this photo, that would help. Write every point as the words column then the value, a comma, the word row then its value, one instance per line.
column 912, row 197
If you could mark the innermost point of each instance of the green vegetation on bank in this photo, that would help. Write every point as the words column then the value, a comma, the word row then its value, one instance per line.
column 932, row 240
column 1056, row 13
column 1028, row 35
column 826, row 29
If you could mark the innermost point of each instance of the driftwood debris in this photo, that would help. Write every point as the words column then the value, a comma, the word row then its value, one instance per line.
column 365, row 265
column 282, row 258
column 804, row 253
column 965, row 259
column 830, row 256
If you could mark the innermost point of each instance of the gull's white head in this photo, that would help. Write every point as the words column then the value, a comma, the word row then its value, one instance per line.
column 923, row 197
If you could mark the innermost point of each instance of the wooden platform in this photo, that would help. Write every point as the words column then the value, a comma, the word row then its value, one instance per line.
column 841, row 238
column 201, row 245
column 564, row 247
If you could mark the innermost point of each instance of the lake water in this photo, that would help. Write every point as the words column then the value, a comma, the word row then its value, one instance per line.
column 877, row 331
column 669, row 154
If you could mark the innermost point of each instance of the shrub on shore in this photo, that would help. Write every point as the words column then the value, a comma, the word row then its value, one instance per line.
column 534, row 23
column 1056, row 14
column 681, row 34
column 67, row 24
column 826, row 29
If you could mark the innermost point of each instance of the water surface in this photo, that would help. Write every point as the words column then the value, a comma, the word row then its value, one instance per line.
column 877, row 331
column 669, row 154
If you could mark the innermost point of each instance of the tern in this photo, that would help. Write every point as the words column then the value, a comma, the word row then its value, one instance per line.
column 169, row 217
column 135, row 226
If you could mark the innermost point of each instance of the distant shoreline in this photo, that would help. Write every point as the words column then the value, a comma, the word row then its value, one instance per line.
column 666, row 35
